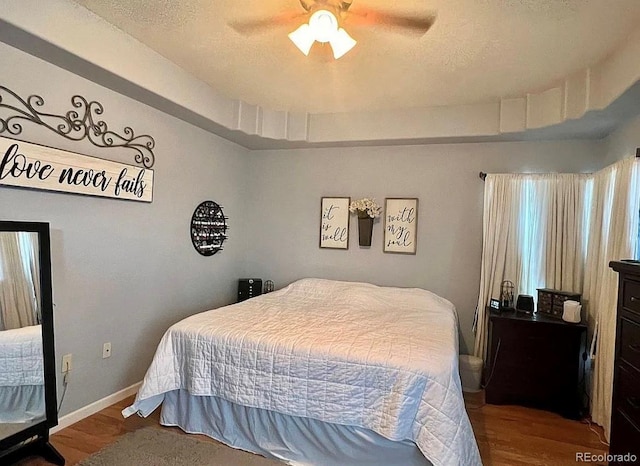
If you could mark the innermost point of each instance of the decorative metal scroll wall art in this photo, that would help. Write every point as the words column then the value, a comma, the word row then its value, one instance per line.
column 208, row 228
column 76, row 125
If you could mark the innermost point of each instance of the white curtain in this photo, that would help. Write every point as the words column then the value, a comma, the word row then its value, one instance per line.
column 18, row 301
column 532, row 236
column 561, row 232
column 613, row 235
column 500, row 238
column 30, row 250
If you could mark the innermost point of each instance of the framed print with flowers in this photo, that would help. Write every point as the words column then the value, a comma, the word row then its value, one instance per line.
column 400, row 225
column 334, row 222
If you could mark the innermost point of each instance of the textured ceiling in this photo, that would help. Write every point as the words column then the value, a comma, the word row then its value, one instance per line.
column 477, row 51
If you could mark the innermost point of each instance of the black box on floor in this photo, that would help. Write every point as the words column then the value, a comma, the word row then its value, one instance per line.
column 248, row 288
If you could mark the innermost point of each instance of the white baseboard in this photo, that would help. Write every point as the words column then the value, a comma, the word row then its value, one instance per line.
column 80, row 414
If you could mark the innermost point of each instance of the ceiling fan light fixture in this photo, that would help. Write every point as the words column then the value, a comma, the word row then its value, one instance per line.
column 323, row 27
column 303, row 38
column 341, row 43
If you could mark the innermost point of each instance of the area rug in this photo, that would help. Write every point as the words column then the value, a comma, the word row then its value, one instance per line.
column 153, row 446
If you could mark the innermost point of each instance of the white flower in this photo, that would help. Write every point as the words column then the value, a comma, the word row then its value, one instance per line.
column 370, row 206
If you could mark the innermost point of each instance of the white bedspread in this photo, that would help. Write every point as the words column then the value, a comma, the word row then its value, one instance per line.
column 381, row 358
column 21, row 357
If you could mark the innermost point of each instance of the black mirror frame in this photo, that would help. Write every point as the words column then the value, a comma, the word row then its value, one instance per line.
column 10, row 446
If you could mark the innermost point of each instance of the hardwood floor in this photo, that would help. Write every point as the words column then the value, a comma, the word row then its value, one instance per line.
column 515, row 435
column 506, row 435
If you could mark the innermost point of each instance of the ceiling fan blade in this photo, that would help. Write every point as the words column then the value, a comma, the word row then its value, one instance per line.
column 259, row 25
column 371, row 17
column 344, row 5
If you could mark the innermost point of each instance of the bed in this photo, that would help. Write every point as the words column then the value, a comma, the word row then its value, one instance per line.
column 21, row 375
column 320, row 372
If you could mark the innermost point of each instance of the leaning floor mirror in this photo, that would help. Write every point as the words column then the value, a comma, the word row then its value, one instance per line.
column 27, row 366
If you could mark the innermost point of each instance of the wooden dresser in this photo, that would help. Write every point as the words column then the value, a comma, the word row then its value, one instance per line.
column 625, row 415
column 536, row 360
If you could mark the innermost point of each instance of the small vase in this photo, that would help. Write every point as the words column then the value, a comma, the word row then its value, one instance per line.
column 365, row 230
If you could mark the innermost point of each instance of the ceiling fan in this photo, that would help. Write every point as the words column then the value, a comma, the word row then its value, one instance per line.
column 324, row 19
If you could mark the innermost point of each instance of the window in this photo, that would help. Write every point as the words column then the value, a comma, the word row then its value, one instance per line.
column 554, row 214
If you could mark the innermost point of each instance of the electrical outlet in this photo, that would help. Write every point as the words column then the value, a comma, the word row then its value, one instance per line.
column 66, row 363
column 106, row 350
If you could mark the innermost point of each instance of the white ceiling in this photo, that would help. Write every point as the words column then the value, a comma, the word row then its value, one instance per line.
column 477, row 51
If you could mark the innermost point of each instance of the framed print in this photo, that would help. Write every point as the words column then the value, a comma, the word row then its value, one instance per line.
column 400, row 225
column 27, row 165
column 334, row 222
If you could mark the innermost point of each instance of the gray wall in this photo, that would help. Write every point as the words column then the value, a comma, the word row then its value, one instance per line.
column 623, row 142
column 287, row 186
column 124, row 271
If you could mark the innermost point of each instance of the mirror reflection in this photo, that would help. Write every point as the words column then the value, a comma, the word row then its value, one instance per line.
column 22, row 401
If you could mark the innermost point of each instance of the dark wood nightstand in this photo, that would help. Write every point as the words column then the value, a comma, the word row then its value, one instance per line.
column 537, row 361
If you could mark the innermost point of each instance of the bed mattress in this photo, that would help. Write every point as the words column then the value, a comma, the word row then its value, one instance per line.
column 355, row 354
column 21, row 375
column 21, row 357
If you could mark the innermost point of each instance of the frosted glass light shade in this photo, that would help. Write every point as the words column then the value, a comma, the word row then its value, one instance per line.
column 341, row 43
column 303, row 38
column 322, row 27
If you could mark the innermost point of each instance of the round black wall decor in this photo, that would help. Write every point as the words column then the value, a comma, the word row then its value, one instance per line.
column 208, row 228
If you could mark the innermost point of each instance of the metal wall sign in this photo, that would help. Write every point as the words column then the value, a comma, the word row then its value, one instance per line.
column 81, row 123
column 28, row 165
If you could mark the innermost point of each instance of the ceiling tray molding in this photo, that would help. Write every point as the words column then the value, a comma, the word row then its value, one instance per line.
column 70, row 36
